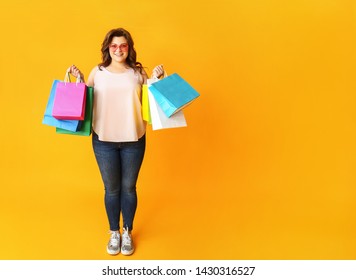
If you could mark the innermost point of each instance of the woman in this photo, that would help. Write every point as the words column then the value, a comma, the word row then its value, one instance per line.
column 118, row 131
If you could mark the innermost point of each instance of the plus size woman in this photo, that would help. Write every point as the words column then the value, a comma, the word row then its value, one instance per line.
column 118, row 137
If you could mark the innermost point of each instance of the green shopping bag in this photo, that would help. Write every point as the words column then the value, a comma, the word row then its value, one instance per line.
column 86, row 124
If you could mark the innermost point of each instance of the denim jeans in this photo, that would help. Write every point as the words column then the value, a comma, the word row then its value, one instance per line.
column 119, row 164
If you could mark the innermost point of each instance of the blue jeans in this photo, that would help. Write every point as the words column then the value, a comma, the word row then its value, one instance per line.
column 119, row 164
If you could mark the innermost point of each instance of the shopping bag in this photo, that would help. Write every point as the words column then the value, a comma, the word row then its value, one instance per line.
column 173, row 93
column 48, row 119
column 69, row 101
column 145, row 105
column 86, row 124
column 159, row 119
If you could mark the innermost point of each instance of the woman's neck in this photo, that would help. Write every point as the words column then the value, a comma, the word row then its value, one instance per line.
column 117, row 67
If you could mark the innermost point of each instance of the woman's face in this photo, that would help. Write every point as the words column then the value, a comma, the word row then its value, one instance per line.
column 119, row 49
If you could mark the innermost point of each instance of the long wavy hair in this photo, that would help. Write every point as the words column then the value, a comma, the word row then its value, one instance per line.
column 132, row 56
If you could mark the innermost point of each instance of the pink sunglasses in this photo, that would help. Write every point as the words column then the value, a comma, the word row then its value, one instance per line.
column 122, row 47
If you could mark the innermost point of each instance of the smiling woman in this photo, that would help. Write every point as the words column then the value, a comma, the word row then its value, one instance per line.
column 118, row 131
column 118, row 50
column 118, row 45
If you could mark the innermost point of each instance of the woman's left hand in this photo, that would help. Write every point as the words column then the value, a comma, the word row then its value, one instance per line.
column 158, row 71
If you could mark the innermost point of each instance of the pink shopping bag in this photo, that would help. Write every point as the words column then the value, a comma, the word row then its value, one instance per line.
column 69, row 100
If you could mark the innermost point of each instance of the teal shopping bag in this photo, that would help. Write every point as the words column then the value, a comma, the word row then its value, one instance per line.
column 86, row 125
column 173, row 93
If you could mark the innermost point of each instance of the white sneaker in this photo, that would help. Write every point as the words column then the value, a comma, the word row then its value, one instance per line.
column 127, row 247
column 113, row 247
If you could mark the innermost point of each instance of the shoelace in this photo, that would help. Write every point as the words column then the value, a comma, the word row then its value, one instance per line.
column 114, row 239
column 126, row 239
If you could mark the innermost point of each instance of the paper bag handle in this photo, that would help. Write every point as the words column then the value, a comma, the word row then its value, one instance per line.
column 67, row 77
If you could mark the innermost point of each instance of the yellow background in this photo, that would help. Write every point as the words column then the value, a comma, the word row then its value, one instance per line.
column 265, row 168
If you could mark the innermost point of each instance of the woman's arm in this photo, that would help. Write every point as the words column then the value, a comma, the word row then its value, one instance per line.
column 144, row 76
column 90, row 82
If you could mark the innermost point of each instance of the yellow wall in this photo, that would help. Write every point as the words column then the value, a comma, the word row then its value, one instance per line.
column 265, row 168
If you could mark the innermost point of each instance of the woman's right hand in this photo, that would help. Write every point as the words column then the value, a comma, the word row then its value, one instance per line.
column 74, row 70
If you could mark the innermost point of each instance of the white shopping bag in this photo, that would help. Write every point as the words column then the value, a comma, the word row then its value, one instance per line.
column 158, row 117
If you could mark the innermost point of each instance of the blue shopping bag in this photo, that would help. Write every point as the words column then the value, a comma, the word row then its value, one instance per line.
column 48, row 119
column 173, row 93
